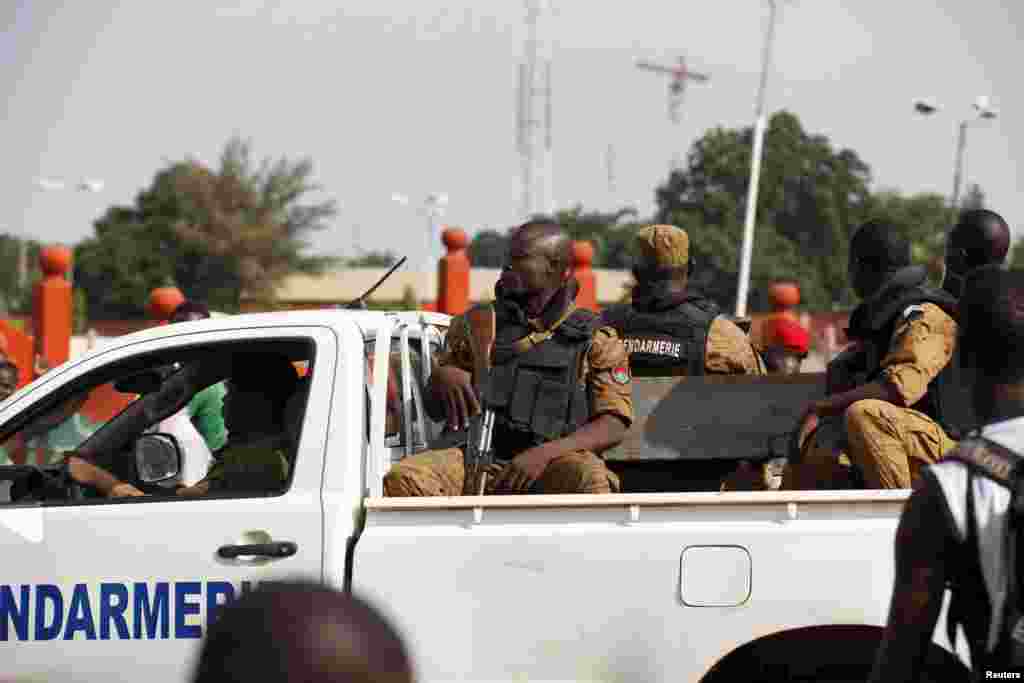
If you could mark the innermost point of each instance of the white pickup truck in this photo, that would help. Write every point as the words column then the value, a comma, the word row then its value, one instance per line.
column 696, row 586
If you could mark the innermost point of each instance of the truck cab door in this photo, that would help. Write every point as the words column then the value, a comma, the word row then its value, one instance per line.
column 122, row 589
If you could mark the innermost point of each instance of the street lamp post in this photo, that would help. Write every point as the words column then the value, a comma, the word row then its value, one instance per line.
column 51, row 184
column 982, row 111
column 433, row 207
column 760, row 124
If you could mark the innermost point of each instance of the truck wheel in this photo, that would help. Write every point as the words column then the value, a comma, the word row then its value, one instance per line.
column 823, row 654
column 847, row 673
column 841, row 672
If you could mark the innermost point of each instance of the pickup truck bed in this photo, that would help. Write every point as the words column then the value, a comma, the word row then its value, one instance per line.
column 632, row 586
column 689, row 432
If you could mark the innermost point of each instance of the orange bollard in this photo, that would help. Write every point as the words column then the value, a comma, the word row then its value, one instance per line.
column 583, row 257
column 453, row 273
column 52, row 307
column 163, row 301
column 784, row 298
column 20, row 349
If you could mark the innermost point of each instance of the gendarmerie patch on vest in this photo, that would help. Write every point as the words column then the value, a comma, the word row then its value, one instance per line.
column 620, row 374
column 660, row 347
column 912, row 313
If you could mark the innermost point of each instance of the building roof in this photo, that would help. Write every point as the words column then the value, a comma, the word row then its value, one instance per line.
column 345, row 285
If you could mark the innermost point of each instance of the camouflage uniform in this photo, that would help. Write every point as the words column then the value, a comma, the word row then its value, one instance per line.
column 888, row 443
column 729, row 351
column 604, row 370
column 260, row 466
column 663, row 328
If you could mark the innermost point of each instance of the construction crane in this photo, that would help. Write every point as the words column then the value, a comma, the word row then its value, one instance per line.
column 679, row 75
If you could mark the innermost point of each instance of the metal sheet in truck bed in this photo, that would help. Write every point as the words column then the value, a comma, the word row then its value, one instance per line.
column 731, row 417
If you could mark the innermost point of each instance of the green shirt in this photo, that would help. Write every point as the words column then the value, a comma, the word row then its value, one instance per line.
column 205, row 409
column 257, row 466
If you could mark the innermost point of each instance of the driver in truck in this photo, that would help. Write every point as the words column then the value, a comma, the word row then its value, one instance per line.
column 559, row 386
column 256, row 455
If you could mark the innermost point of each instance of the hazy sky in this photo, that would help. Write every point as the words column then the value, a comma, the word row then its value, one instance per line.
column 416, row 96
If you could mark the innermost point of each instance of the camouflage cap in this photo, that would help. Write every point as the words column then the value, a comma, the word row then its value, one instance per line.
column 662, row 246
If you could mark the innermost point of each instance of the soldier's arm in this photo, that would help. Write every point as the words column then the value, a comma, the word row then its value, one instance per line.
column 457, row 352
column 610, row 387
column 728, row 350
column 84, row 472
column 921, row 548
column 840, row 371
column 597, row 436
column 837, row 403
column 922, row 345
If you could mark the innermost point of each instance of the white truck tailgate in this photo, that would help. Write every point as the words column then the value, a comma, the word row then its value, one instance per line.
column 620, row 587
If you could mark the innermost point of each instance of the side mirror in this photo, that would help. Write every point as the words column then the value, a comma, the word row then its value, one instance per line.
column 157, row 458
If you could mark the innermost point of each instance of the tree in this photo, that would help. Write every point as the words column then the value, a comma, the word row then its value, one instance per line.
column 215, row 234
column 15, row 286
column 1016, row 256
column 610, row 233
column 810, row 199
column 488, row 249
column 373, row 259
column 251, row 216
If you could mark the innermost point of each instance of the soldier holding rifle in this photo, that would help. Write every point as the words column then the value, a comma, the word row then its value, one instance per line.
column 556, row 383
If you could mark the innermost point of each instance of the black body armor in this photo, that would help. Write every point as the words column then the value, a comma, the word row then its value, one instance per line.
column 537, row 395
column 665, row 340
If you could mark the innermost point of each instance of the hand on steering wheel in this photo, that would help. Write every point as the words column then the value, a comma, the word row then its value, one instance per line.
column 81, row 472
column 76, row 492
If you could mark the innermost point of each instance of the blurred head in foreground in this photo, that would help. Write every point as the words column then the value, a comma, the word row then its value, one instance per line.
column 302, row 631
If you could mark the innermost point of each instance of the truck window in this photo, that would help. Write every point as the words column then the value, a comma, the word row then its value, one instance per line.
column 104, row 414
column 64, row 426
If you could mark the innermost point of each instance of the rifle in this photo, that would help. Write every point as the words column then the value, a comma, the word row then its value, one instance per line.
column 360, row 303
column 479, row 451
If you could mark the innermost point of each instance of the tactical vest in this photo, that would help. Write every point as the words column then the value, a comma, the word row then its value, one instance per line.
column 537, row 395
column 947, row 400
column 669, row 341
